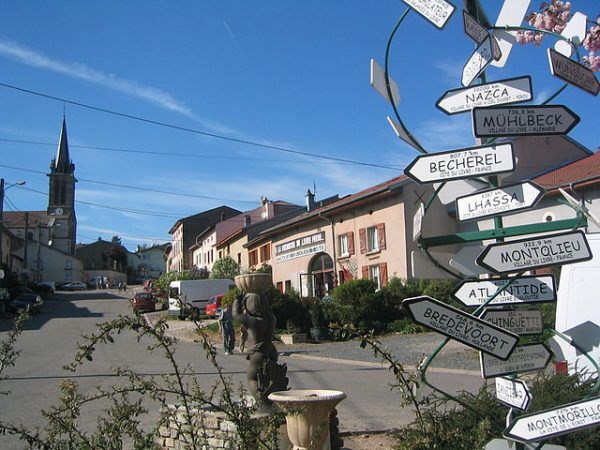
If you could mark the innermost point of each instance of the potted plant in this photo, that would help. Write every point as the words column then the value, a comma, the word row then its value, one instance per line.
column 292, row 334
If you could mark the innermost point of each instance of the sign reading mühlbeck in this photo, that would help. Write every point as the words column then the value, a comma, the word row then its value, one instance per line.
column 302, row 246
column 554, row 422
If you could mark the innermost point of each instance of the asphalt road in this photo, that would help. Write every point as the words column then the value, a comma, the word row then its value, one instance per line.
column 49, row 342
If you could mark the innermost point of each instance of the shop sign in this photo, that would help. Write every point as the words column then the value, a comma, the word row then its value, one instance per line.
column 302, row 246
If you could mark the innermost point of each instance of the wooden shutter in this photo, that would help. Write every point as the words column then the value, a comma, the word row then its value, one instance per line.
column 381, row 236
column 383, row 275
column 350, row 237
column 365, row 272
column 362, row 238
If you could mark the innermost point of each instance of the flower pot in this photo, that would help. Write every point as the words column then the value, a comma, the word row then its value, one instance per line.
column 255, row 283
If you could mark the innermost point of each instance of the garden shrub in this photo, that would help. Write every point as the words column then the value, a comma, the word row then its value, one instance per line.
column 290, row 310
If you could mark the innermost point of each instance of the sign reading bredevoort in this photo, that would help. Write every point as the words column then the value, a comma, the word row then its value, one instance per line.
column 296, row 248
column 554, row 422
column 464, row 163
column 463, row 327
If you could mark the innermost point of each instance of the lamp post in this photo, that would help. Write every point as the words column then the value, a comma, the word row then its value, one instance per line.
column 3, row 189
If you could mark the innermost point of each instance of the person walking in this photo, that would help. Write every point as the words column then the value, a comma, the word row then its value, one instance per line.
column 226, row 327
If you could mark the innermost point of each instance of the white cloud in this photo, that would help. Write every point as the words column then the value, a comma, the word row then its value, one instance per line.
column 446, row 133
column 451, row 70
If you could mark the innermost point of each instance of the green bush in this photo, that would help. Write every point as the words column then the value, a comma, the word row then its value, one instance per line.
column 405, row 326
column 289, row 310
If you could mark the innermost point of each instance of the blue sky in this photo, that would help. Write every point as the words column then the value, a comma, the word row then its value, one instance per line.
column 287, row 74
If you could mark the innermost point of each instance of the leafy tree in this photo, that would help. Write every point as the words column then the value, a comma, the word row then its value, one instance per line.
column 116, row 240
column 225, row 268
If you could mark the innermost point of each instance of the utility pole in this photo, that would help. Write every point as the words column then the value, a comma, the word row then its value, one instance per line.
column 1, row 222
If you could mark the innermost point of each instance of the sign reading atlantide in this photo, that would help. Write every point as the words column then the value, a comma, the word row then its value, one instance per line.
column 572, row 72
column 523, row 120
column 527, row 289
column 519, row 321
column 533, row 253
column 463, row 327
column 498, row 201
column 464, row 163
column 554, row 422
column 435, row 11
column 525, row 358
column 503, row 92
column 513, row 393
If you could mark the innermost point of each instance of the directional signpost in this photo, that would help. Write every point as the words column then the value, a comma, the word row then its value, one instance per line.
column 513, row 393
column 435, row 11
column 520, row 321
column 461, row 326
column 525, row 358
column 572, row 72
column 378, row 83
column 512, row 14
column 464, row 163
column 498, row 201
column 402, row 134
column 533, row 253
column 555, row 422
column 523, row 121
column 478, row 33
column 502, row 92
column 527, row 289
column 479, row 60
column 464, row 260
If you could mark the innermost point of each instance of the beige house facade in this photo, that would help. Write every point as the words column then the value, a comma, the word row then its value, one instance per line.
column 45, row 263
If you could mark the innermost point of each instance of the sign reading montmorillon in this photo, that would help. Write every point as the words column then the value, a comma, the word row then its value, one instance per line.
column 296, row 248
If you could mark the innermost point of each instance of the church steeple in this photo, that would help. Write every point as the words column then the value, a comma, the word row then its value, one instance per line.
column 62, row 162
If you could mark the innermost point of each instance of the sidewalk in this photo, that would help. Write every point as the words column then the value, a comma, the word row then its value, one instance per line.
column 407, row 349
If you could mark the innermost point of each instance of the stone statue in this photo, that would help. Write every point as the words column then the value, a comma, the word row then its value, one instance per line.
column 264, row 374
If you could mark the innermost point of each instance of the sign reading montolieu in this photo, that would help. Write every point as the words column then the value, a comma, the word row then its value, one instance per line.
column 464, row 163
column 513, row 393
column 523, row 120
column 572, row 72
column 554, row 422
column 303, row 246
column 479, row 60
column 533, row 253
column 498, row 201
column 528, row 289
column 503, row 92
column 461, row 326
column 521, row 321
column 525, row 358
column 435, row 11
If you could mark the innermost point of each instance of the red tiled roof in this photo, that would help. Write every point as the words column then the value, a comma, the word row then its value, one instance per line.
column 576, row 172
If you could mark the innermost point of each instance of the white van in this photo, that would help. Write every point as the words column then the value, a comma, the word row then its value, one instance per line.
column 194, row 294
column 578, row 311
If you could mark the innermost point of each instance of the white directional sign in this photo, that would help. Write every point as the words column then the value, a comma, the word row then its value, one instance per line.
column 572, row 72
column 435, row 11
column 512, row 14
column 478, row 33
column 523, row 120
column 525, row 358
column 513, row 393
column 505, row 444
column 528, row 289
column 533, row 253
column 464, row 163
column 464, row 260
column 503, row 92
column 520, row 321
column 479, row 60
column 418, row 221
column 401, row 133
column 463, row 327
column 574, row 31
column 378, row 83
column 556, row 421
column 498, row 201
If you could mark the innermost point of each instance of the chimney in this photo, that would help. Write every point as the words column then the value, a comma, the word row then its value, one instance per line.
column 310, row 201
column 247, row 221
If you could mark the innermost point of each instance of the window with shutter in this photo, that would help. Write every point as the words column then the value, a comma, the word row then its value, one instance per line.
column 365, row 272
column 350, row 243
column 381, row 236
column 383, row 275
column 362, row 237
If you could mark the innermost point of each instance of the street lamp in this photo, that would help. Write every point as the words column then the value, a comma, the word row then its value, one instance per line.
column 2, row 191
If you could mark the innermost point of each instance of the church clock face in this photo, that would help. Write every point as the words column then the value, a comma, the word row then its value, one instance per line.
column 58, row 211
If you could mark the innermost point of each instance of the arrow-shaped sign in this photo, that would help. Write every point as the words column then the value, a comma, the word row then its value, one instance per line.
column 513, row 393
column 520, row 321
column 498, row 201
column 533, row 253
column 572, row 72
column 503, row 92
column 464, row 163
column 528, row 289
column 575, row 33
column 378, row 83
column 555, row 422
column 402, row 134
column 511, row 15
column 461, row 326
column 437, row 12
column 479, row 60
column 525, row 358
column 464, row 260
column 478, row 33
column 523, row 120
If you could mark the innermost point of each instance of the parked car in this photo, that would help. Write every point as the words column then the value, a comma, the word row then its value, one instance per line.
column 45, row 287
column 22, row 302
column 213, row 306
column 143, row 302
column 75, row 286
